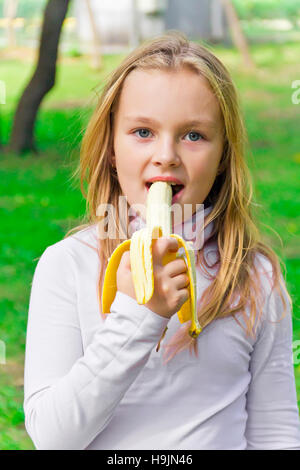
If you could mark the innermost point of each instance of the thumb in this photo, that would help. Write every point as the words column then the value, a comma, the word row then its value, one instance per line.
column 161, row 246
column 125, row 260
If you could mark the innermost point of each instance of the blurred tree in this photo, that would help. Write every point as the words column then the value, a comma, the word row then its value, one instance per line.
column 27, row 9
column 2, row 101
column 238, row 36
column 10, row 11
column 96, row 44
column 43, row 79
column 134, row 25
column 268, row 9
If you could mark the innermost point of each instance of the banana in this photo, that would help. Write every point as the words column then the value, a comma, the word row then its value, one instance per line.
column 158, row 224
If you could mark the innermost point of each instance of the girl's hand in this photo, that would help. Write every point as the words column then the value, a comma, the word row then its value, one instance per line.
column 124, row 276
column 170, row 281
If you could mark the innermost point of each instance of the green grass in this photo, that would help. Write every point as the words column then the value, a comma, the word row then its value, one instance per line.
column 39, row 203
column 13, row 434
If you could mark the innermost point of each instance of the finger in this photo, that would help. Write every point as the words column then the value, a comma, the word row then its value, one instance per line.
column 125, row 260
column 178, row 266
column 184, row 295
column 174, row 244
column 181, row 281
column 161, row 246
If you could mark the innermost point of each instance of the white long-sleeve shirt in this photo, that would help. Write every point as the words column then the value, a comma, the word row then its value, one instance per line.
column 100, row 384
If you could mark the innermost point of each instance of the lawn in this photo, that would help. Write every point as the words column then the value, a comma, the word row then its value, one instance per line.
column 39, row 202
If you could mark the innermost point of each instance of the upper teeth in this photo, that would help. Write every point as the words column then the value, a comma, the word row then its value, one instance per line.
column 171, row 182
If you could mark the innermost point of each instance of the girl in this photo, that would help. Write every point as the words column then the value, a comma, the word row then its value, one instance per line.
column 169, row 111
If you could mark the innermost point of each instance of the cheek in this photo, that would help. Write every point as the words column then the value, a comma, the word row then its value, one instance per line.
column 127, row 154
column 205, row 169
column 209, row 164
column 203, row 172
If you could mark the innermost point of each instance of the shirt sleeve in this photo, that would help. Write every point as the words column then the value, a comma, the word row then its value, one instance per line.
column 70, row 395
column 273, row 416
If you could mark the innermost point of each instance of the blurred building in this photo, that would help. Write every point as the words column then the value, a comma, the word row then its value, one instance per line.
column 198, row 19
column 122, row 23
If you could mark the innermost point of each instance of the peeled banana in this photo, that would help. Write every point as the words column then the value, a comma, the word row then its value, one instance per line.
column 158, row 224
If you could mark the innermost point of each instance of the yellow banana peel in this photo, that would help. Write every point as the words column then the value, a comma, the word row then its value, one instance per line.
column 158, row 224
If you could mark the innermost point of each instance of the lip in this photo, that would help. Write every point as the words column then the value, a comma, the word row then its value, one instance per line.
column 170, row 179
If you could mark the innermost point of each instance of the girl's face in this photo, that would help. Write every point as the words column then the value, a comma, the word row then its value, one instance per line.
column 167, row 124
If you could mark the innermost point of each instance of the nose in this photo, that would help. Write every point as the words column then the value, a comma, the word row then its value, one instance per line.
column 166, row 154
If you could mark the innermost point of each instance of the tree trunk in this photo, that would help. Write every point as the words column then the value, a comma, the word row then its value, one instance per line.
column 43, row 79
column 10, row 11
column 134, row 33
column 0, row 134
column 2, row 101
column 238, row 36
column 96, row 55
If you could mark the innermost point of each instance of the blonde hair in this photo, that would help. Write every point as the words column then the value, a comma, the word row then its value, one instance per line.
column 236, row 286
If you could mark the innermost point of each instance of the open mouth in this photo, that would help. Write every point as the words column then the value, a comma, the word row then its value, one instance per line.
column 176, row 188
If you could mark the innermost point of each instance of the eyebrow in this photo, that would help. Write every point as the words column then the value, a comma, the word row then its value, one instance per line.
column 193, row 122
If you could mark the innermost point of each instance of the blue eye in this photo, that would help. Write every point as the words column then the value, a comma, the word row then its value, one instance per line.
column 144, row 133
column 194, row 134
column 142, row 130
